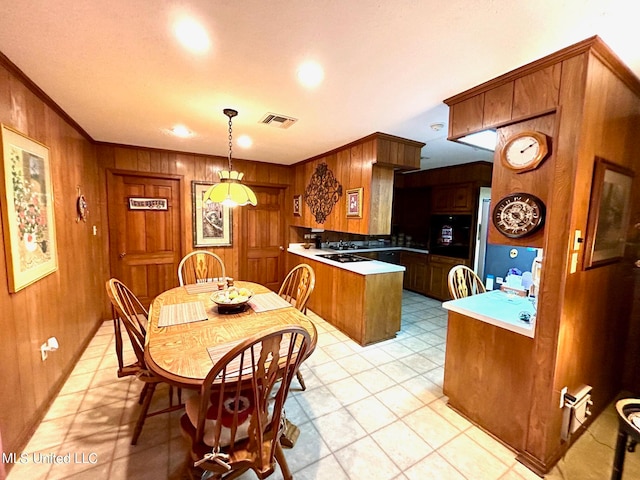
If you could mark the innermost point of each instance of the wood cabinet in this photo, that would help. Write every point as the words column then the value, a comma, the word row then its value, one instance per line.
column 367, row 308
column 416, row 276
column 438, row 270
column 452, row 199
column 368, row 163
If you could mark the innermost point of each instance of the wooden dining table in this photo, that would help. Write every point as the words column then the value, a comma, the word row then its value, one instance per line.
column 183, row 353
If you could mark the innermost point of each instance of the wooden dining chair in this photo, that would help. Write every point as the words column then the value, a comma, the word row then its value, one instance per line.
column 235, row 423
column 296, row 289
column 464, row 282
column 134, row 316
column 200, row 266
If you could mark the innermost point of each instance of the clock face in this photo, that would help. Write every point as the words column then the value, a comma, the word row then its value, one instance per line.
column 518, row 215
column 524, row 151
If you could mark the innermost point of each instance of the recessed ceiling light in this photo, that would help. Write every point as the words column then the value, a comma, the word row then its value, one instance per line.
column 310, row 74
column 181, row 131
column 192, row 35
column 244, row 141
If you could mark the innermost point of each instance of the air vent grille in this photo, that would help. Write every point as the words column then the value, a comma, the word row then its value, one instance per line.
column 277, row 120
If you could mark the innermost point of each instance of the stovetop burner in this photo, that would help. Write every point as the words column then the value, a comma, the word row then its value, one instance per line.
column 344, row 257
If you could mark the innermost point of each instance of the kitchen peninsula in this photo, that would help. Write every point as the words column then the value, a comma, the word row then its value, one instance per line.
column 363, row 299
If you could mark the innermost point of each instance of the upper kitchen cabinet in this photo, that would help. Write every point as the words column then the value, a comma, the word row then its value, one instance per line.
column 350, row 189
column 453, row 198
column 512, row 99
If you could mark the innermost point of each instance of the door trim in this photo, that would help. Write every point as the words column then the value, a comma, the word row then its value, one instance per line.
column 111, row 172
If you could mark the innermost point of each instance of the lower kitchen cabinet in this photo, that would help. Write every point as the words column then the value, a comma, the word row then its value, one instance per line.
column 416, row 277
column 438, row 272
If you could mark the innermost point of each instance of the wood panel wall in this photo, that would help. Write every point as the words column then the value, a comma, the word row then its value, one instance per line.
column 68, row 303
column 589, row 103
column 368, row 163
column 192, row 167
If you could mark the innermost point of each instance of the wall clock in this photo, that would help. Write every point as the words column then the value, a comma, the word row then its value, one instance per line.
column 518, row 215
column 524, row 151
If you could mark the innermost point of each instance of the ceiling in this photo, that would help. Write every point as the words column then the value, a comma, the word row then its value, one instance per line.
column 117, row 69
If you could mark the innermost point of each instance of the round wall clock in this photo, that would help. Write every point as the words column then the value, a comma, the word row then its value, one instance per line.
column 518, row 215
column 524, row 151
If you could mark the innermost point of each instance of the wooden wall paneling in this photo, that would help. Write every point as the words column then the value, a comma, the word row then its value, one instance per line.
column 43, row 309
column 371, row 192
column 498, row 103
column 354, row 179
column 466, row 116
column 545, row 418
column 506, row 181
column 537, row 91
column 487, row 372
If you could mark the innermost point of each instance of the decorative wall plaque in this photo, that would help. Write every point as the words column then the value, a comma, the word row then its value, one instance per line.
column 322, row 193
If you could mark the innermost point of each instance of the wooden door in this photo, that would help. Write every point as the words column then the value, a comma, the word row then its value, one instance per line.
column 144, row 245
column 262, row 247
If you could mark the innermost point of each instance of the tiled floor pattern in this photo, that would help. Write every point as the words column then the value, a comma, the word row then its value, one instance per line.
column 370, row 413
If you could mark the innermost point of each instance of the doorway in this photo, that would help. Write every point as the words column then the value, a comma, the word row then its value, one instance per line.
column 144, row 236
column 262, row 252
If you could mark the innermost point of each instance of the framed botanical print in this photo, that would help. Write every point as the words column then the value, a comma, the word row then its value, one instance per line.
column 354, row 202
column 609, row 210
column 27, row 210
column 212, row 221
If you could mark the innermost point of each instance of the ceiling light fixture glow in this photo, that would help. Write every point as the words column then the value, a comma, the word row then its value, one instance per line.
column 244, row 141
column 230, row 191
column 181, row 131
column 310, row 74
column 192, row 35
column 485, row 139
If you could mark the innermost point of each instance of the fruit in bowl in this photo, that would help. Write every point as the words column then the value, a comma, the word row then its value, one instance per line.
column 232, row 296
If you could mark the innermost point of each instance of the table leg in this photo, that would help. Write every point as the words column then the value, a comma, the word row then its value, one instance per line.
column 618, row 460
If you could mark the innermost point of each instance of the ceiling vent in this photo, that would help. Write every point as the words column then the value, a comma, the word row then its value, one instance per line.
column 278, row 121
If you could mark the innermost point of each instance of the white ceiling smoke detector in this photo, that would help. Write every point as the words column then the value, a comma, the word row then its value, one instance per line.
column 277, row 120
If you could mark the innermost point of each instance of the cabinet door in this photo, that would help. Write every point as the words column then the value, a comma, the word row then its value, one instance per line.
column 437, row 287
column 452, row 199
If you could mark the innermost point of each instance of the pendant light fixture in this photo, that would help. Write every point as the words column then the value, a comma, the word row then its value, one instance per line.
column 230, row 191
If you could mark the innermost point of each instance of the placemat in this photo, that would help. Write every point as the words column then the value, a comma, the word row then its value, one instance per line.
column 264, row 302
column 180, row 313
column 204, row 287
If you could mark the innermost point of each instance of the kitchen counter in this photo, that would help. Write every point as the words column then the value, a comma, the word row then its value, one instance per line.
column 497, row 308
column 370, row 267
column 361, row 299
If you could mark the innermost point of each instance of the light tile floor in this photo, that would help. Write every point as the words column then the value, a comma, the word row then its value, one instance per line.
column 372, row 413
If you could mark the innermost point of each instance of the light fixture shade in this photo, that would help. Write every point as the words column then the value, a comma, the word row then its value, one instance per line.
column 230, row 192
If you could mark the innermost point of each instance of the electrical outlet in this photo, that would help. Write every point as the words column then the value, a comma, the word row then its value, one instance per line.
column 563, row 392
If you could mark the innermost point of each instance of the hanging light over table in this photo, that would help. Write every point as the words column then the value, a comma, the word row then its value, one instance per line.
column 230, row 191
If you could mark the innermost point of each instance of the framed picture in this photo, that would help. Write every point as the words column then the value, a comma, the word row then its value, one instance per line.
column 354, row 203
column 139, row 203
column 297, row 205
column 212, row 221
column 27, row 210
column 608, row 213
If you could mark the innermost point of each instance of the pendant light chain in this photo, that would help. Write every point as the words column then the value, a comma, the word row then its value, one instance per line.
column 230, row 144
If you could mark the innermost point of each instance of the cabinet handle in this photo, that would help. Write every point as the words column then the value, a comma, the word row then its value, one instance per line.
column 123, row 254
column 281, row 248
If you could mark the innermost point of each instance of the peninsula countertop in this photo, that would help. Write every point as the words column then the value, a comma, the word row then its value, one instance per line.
column 370, row 267
column 498, row 308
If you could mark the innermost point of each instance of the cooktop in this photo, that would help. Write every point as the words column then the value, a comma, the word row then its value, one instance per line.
column 344, row 257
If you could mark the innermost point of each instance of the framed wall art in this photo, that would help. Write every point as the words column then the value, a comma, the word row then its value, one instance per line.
column 297, row 205
column 354, row 202
column 27, row 210
column 212, row 221
column 609, row 210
